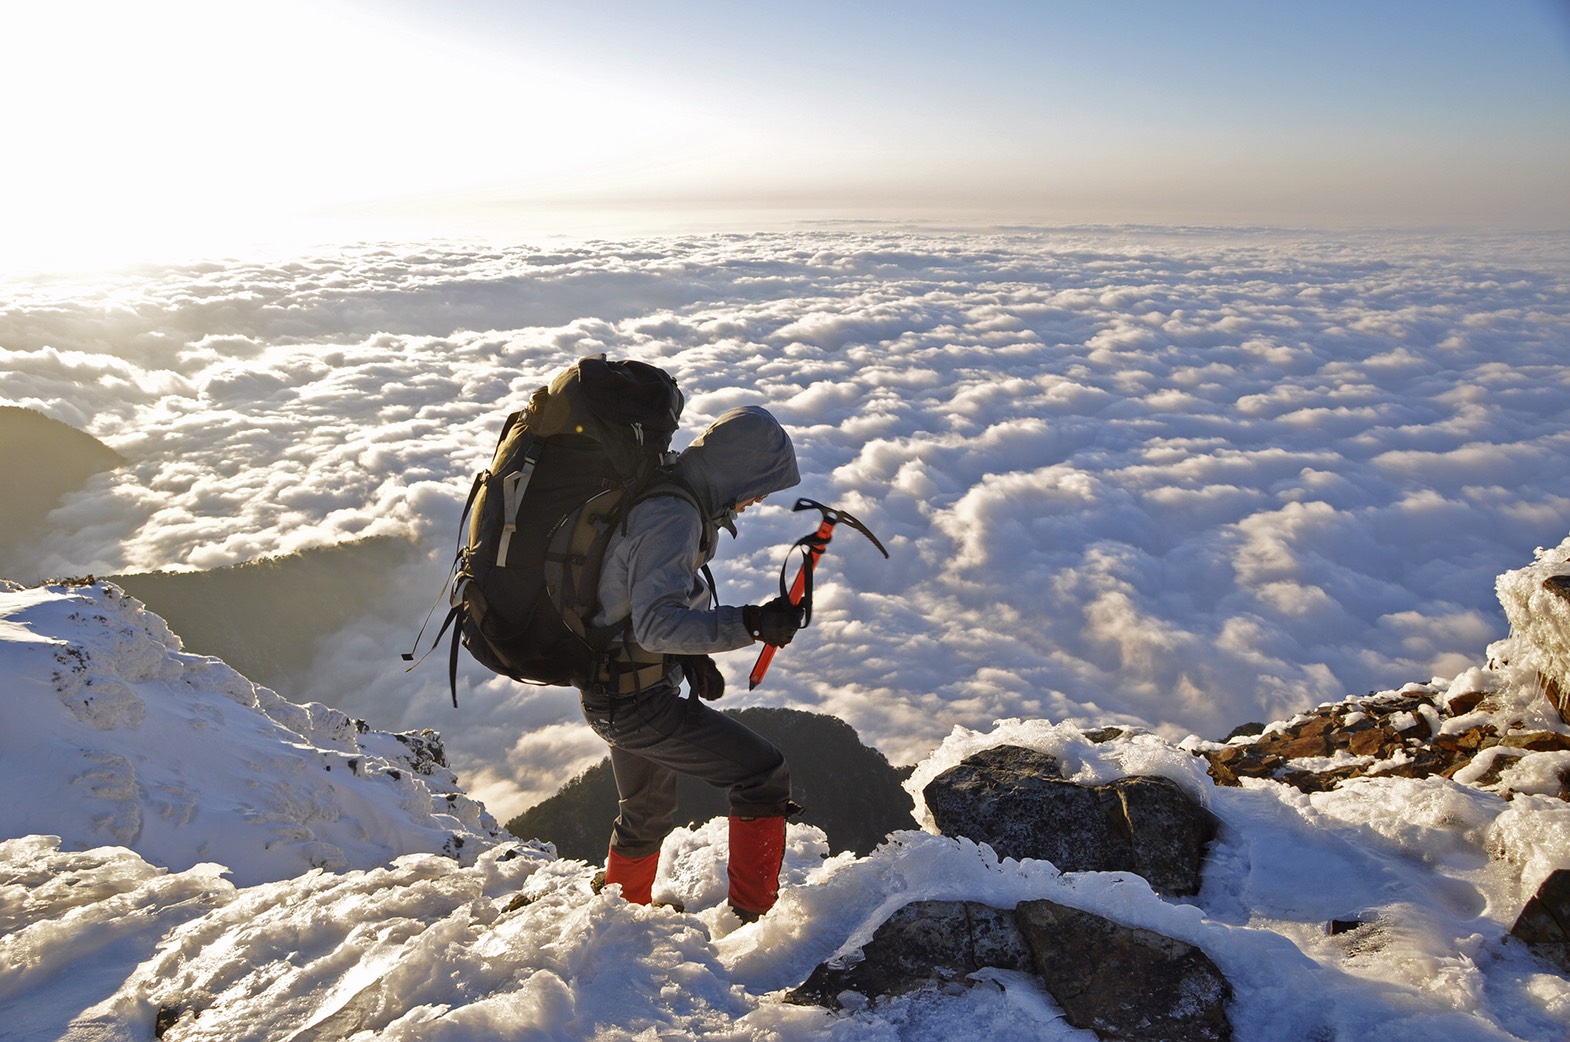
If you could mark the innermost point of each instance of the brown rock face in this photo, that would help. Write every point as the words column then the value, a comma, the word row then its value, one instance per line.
column 1392, row 736
column 1544, row 924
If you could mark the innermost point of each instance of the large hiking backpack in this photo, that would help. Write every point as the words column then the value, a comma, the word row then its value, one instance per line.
column 526, row 577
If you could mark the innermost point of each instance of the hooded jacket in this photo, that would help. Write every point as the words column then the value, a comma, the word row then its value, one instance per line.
column 652, row 568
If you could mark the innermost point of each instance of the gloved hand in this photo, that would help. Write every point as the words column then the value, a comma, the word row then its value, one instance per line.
column 703, row 676
column 773, row 623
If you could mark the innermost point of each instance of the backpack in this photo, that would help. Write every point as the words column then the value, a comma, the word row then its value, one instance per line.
column 567, row 467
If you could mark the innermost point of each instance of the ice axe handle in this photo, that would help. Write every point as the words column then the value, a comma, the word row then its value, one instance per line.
column 797, row 590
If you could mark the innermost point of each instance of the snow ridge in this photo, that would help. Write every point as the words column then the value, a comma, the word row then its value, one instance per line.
column 190, row 856
column 116, row 736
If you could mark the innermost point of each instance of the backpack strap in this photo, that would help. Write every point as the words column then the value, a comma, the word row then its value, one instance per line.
column 623, row 667
column 456, row 614
column 514, row 485
column 668, row 484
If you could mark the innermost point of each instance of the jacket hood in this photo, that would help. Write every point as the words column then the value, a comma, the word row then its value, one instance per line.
column 743, row 454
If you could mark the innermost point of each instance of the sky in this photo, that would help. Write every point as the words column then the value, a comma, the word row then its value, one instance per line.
column 177, row 845
column 1177, row 480
column 171, row 127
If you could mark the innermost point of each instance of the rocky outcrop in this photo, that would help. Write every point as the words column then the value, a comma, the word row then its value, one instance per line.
column 1085, row 962
column 1017, row 801
column 1544, row 924
column 1413, row 733
column 1091, row 964
column 925, row 944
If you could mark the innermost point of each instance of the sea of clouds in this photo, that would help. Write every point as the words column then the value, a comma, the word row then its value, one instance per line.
column 1180, row 479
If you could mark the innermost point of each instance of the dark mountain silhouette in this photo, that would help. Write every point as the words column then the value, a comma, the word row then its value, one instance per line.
column 265, row 618
column 42, row 460
column 850, row 791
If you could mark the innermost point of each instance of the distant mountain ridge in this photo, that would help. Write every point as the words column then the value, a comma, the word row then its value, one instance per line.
column 266, row 617
column 43, row 460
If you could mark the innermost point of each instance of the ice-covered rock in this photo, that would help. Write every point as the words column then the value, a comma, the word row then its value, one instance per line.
column 1536, row 600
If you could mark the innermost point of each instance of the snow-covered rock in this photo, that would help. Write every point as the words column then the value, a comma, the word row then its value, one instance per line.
column 115, row 736
column 1536, row 600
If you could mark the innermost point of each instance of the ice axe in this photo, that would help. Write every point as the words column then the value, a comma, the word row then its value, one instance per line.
column 800, row 592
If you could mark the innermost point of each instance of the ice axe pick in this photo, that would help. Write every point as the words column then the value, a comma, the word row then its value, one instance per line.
column 800, row 592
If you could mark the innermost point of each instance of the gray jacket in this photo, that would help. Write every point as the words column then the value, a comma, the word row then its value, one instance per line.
column 652, row 572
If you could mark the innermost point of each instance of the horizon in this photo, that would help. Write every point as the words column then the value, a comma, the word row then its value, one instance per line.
column 176, row 130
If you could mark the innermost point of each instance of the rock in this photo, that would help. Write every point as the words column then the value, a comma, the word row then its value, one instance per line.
column 1016, row 801
column 1558, row 695
column 1006, row 795
column 1537, row 741
column 1374, row 741
column 1544, row 924
column 425, row 750
column 1391, row 735
column 1300, row 746
column 1460, row 705
column 1168, row 833
column 1319, row 781
column 1461, row 745
column 1420, row 762
column 923, row 944
column 1123, row 982
column 1495, row 769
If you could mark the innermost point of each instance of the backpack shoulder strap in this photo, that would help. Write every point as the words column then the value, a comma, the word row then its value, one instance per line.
column 665, row 483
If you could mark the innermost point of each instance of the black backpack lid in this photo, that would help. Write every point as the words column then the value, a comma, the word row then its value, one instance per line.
column 632, row 392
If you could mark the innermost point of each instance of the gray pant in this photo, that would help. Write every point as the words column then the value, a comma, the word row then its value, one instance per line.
column 656, row 735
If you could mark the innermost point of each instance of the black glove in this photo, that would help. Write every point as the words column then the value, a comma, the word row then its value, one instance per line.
column 773, row 623
column 703, row 676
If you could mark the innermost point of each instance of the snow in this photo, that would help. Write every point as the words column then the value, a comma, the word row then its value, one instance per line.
column 115, row 735
column 124, row 905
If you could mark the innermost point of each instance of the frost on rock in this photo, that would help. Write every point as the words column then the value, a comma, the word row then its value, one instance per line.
column 1536, row 600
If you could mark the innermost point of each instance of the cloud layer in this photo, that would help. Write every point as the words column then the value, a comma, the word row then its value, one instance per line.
column 1179, row 479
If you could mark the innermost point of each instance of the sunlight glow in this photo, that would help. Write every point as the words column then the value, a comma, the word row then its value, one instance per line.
column 180, row 127
column 172, row 128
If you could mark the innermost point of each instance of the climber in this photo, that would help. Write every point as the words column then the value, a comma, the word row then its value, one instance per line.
column 654, row 574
